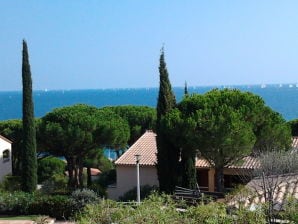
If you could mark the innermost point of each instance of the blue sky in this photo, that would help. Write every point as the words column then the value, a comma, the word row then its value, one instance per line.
column 116, row 44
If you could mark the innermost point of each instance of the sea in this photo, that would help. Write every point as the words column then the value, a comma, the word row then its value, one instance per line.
column 282, row 98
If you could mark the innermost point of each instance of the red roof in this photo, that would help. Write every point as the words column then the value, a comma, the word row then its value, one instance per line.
column 144, row 146
column 285, row 186
column 295, row 142
column 248, row 162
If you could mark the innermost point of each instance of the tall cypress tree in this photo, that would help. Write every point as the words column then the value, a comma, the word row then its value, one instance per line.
column 29, row 161
column 167, row 153
column 185, row 89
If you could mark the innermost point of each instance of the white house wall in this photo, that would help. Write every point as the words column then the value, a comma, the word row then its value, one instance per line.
column 127, row 179
column 5, row 166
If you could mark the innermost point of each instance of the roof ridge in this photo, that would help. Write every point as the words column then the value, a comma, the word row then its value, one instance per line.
column 5, row 139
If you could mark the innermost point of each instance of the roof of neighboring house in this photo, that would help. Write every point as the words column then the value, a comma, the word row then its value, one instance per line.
column 94, row 171
column 144, row 146
column 295, row 142
column 5, row 139
column 287, row 186
column 248, row 162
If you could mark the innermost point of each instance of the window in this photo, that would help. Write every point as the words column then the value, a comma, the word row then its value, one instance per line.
column 6, row 155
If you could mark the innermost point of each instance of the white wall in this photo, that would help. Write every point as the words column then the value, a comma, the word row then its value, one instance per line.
column 127, row 179
column 5, row 166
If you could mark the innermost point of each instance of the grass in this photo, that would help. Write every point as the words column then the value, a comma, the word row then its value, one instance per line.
column 27, row 217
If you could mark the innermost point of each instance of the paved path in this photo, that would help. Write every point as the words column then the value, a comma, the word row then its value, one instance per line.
column 31, row 222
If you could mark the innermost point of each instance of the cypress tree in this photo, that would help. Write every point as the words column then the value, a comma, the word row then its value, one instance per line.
column 167, row 153
column 29, row 161
column 185, row 89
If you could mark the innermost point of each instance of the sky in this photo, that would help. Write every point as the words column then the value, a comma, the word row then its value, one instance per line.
column 95, row 44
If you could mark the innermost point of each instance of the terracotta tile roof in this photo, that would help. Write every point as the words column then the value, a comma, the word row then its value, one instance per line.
column 295, row 142
column 5, row 139
column 287, row 186
column 248, row 162
column 144, row 146
column 95, row 172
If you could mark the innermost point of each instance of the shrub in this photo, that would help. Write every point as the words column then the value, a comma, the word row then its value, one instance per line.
column 291, row 210
column 11, row 183
column 80, row 198
column 57, row 184
column 155, row 209
column 131, row 195
column 107, row 178
column 15, row 203
column 210, row 213
column 49, row 166
column 21, row 203
column 57, row 206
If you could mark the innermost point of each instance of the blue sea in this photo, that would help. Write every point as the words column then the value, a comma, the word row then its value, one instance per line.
column 281, row 98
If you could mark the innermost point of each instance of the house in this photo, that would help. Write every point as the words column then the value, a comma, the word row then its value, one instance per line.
column 283, row 187
column 5, row 157
column 146, row 147
column 126, row 166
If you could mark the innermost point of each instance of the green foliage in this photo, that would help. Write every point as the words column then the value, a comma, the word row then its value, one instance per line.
column 29, row 160
column 22, row 203
column 15, row 203
column 131, row 195
column 224, row 125
column 139, row 118
column 56, row 184
column 49, row 166
column 106, row 178
column 56, row 206
column 11, row 183
column 273, row 133
column 74, row 131
column 162, row 209
column 167, row 153
column 291, row 210
column 155, row 209
column 81, row 197
column 211, row 213
column 294, row 127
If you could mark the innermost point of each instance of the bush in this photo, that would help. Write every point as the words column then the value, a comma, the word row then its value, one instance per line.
column 49, row 166
column 21, row 203
column 131, row 195
column 80, row 198
column 11, row 183
column 57, row 184
column 291, row 210
column 155, row 209
column 57, row 206
column 107, row 178
column 15, row 203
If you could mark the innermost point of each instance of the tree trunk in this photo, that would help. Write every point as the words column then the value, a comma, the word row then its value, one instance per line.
column 70, row 169
column 219, row 179
column 89, row 180
column 80, row 174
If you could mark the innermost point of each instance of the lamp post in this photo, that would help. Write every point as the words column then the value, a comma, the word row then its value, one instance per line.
column 138, row 158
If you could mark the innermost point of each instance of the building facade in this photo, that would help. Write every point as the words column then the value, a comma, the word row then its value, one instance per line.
column 5, row 157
